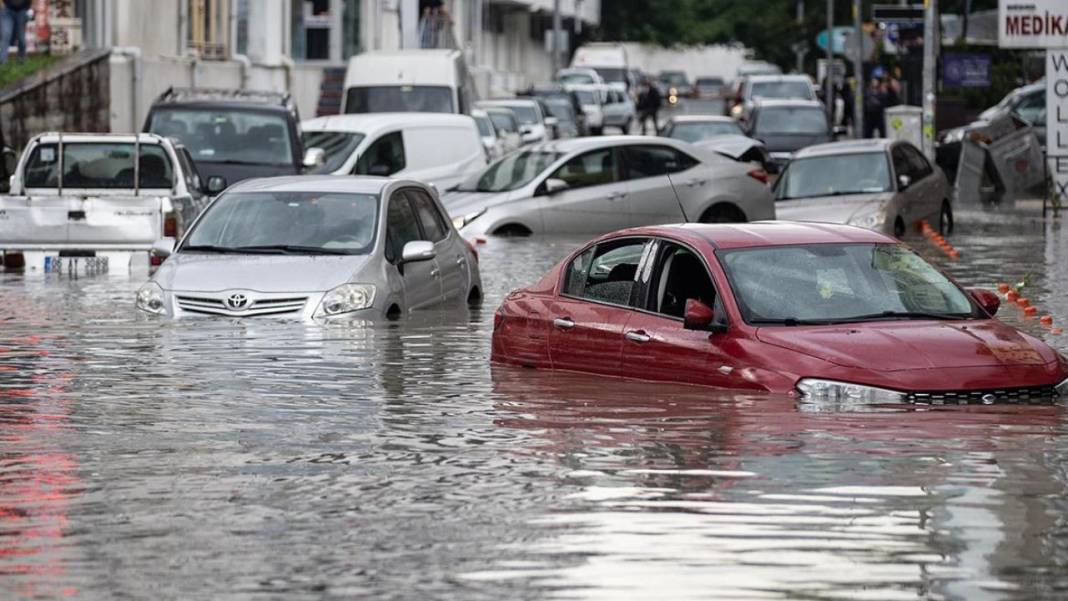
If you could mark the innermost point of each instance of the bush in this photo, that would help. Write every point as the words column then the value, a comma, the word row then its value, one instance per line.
column 15, row 69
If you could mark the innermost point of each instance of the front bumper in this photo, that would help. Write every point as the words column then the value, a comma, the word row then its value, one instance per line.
column 296, row 306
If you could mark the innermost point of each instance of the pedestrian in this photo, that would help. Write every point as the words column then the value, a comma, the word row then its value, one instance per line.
column 649, row 106
column 13, row 17
column 874, row 108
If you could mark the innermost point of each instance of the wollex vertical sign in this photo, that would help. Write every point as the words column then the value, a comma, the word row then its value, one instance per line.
column 1044, row 24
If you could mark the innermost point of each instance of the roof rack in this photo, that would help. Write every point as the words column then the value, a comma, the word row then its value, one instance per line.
column 174, row 94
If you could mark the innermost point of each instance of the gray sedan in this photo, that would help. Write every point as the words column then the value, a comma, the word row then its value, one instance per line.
column 315, row 248
column 596, row 185
column 878, row 184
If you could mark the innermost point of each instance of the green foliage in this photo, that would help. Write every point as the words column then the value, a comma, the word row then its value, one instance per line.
column 15, row 69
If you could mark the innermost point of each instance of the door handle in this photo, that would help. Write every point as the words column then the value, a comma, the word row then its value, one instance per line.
column 638, row 336
column 616, row 195
column 459, row 259
column 564, row 323
column 434, row 273
column 693, row 183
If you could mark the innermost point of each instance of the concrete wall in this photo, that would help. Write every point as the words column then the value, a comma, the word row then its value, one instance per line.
column 696, row 61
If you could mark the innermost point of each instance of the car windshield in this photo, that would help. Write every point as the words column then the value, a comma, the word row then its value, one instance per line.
column 302, row 222
column 485, row 127
column 612, row 74
column 399, row 99
column 695, row 132
column 587, row 96
column 576, row 78
column 339, row 146
column 788, row 120
column 673, row 79
column 860, row 173
column 227, row 136
column 524, row 113
column 513, row 171
column 103, row 165
column 839, row 283
column 504, row 121
column 782, row 89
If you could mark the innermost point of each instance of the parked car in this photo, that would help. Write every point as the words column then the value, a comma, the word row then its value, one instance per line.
column 566, row 121
column 533, row 124
column 755, row 88
column 618, row 111
column 826, row 312
column 786, row 126
column 674, row 85
column 757, row 68
column 561, row 92
column 695, row 128
column 492, row 140
column 434, row 148
column 232, row 135
column 93, row 197
column 507, row 127
column 881, row 184
column 592, row 98
column 578, row 75
column 591, row 185
column 711, row 87
column 315, row 248
column 608, row 59
column 416, row 80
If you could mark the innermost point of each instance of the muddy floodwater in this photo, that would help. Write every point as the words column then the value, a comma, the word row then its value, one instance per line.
column 228, row 459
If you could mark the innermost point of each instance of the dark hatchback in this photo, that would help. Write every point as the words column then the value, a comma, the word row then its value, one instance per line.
column 786, row 126
column 232, row 135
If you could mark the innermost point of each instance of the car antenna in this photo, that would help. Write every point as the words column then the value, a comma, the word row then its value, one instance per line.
column 678, row 200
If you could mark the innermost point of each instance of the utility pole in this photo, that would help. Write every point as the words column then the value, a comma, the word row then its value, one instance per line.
column 557, row 29
column 828, row 84
column 930, row 55
column 799, row 48
column 858, row 73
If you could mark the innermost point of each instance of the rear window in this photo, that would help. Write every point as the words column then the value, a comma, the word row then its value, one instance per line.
column 399, row 99
column 222, row 135
column 108, row 165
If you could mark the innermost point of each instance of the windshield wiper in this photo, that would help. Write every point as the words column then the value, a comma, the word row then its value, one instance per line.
column 902, row 315
column 294, row 248
column 790, row 321
column 210, row 248
column 837, row 193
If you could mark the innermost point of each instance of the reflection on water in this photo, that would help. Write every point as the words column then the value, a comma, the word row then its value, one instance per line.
column 240, row 459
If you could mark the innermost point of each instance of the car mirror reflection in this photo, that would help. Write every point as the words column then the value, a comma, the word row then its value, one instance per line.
column 701, row 317
column 417, row 250
column 986, row 299
column 216, row 184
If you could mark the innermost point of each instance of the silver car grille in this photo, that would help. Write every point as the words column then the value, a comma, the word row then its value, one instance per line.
column 256, row 306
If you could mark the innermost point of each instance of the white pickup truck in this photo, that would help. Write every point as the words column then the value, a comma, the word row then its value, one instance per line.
column 96, row 201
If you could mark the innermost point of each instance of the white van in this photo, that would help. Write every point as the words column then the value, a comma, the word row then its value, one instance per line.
column 433, row 148
column 427, row 81
column 608, row 59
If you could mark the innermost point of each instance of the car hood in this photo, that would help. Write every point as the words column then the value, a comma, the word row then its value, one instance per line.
column 831, row 209
column 900, row 346
column 262, row 273
column 237, row 173
column 791, row 142
column 732, row 145
column 460, row 203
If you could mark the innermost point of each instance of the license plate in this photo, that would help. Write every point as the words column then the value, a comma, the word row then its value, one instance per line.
column 74, row 265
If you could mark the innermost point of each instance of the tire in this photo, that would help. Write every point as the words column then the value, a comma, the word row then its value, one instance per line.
column 512, row 230
column 474, row 297
column 945, row 219
column 723, row 212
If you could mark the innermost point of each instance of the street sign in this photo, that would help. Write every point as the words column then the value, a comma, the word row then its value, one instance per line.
column 838, row 38
column 1032, row 24
column 895, row 13
column 1057, row 121
column 965, row 70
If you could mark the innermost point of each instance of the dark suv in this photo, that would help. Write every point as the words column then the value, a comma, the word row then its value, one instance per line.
column 232, row 135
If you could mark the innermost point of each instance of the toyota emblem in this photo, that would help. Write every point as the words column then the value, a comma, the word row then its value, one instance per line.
column 237, row 301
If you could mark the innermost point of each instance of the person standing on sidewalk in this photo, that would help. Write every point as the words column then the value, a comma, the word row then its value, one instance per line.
column 649, row 106
column 13, row 17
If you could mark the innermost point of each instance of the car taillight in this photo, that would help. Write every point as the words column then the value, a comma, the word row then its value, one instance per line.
column 471, row 247
column 170, row 225
column 155, row 260
column 759, row 174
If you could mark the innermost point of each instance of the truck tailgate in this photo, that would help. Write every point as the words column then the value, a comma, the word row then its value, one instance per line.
column 33, row 220
column 115, row 219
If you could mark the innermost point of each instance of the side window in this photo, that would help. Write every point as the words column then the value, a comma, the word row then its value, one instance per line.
column 192, row 177
column 1032, row 107
column 650, row 161
column 679, row 275
column 607, row 272
column 591, row 169
column 918, row 162
column 402, row 226
column 902, row 165
column 385, row 156
column 433, row 225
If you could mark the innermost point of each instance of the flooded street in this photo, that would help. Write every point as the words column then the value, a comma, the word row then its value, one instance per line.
column 255, row 459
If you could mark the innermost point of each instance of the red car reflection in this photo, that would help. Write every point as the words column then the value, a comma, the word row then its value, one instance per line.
column 829, row 311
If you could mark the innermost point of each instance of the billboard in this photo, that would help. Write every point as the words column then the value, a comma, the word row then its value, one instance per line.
column 1032, row 24
column 965, row 70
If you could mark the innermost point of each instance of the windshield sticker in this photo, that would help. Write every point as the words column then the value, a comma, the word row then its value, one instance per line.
column 48, row 154
column 831, row 282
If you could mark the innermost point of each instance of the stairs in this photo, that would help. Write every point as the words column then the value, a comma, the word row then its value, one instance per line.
column 331, row 91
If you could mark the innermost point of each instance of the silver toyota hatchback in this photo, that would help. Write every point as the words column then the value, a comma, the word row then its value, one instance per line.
column 315, row 248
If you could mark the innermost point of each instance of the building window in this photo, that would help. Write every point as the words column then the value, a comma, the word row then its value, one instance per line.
column 241, row 26
column 209, row 25
column 324, row 30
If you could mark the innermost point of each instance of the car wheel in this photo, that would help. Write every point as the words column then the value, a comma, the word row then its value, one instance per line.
column 899, row 228
column 512, row 230
column 474, row 297
column 945, row 219
column 723, row 213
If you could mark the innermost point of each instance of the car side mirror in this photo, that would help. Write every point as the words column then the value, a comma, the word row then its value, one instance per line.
column 554, row 185
column 418, row 250
column 551, row 122
column 525, row 129
column 701, row 317
column 314, row 157
column 216, row 184
column 986, row 299
column 163, row 247
column 903, row 181
column 379, row 170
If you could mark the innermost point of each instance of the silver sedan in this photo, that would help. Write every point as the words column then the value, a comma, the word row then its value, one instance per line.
column 596, row 185
column 315, row 248
column 882, row 185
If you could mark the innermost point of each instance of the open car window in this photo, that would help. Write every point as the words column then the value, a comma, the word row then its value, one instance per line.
column 678, row 275
column 606, row 272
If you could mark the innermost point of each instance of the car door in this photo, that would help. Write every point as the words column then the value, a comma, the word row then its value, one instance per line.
column 651, row 198
column 926, row 191
column 595, row 197
column 905, row 199
column 450, row 250
column 656, row 346
column 593, row 305
column 384, row 157
column 422, row 279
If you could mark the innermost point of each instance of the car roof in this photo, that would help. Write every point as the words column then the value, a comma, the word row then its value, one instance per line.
column 845, row 147
column 776, row 78
column 788, row 103
column 569, row 145
column 362, row 184
column 702, row 119
column 373, row 123
column 506, row 102
column 101, row 138
column 728, row 236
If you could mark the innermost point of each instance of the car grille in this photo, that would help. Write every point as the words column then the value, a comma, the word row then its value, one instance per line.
column 1034, row 395
column 256, row 307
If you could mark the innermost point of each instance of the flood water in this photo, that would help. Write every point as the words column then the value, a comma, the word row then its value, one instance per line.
column 218, row 459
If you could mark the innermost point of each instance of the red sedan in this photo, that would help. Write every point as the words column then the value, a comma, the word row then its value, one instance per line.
column 827, row 311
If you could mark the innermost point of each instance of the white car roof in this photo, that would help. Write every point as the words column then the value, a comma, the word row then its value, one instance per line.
column 372, row 124
column 778, row 78
column 54, row 138
column 702, row 119
column 361, row 184
column 506, row 102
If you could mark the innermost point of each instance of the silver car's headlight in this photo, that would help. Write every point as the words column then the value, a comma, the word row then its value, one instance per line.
column 869, row 220
column 346, row 298
column 813, row 389
column 460, row 222
column 150, row 299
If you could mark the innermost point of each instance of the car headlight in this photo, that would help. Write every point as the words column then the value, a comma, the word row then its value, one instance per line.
column 150, row 299
column 736, row 110
column 869, row 220
column 813, row 389
column 460, row 222
column 346, row 298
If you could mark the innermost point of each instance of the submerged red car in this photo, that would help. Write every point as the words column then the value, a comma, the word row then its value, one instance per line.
column 826, row 311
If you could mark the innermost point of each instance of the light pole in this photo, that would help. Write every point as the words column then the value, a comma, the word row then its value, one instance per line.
column 858, row 73
column 557, row 27
column 930, row 55
column 828, row 83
